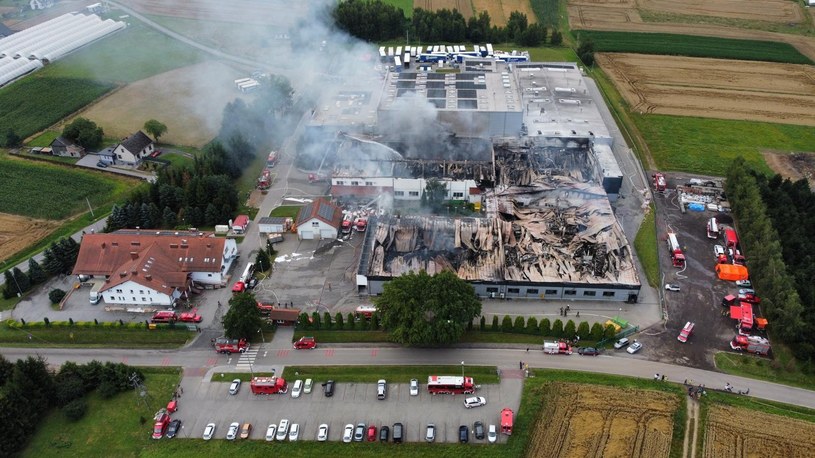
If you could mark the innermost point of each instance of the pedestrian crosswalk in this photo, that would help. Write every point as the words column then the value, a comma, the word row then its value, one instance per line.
column 247, row 359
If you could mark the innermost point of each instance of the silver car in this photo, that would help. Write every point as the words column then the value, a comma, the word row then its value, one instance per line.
column 322, row 433
column 282, row 430
column 414, row 387
column 209, row 431
column 232, row 433
column 235, row 386
column 475, row 401
column 430, row 435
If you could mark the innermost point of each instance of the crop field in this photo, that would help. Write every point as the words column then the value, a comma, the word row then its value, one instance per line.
column 580, row 420
column 464, row 7
column 499, row 11
column 715, row 88
column 13, row 239
column 270, row 13
column 734, row 432
column 694, row 46
column 36, row 102
column 192, row 103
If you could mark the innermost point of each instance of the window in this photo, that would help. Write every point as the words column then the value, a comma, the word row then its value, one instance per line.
column 141, row 291
column 608, row 293
column 144, row 299
column 531, row 291
column 399, row 193
column 118, row 291
column 131, row 291
column 133, row 299
column 551, row 291
column 340, row 183
column 414, row 193
column 569, row 292
column 369, row 183
column 513, row 290
column 355, row 183
column 492, row 290
column 589, row 293
column 209, row 275
column 315, row 224
column 458, row 195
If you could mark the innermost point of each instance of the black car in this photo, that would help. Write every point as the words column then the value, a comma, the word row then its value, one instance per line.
column 328, row 388
column 398, row 433
column 588, row 351
column 463, row 434
column 478, row 430
column 173, row 429
column 101, row 165
column 384, row 433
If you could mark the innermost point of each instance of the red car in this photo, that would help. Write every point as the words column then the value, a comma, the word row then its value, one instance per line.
column 305, row 343
column 749, row 297
column 372, row 433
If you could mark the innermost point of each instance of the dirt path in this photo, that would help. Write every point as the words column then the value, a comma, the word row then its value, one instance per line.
column 691, row 430
column 793, row 166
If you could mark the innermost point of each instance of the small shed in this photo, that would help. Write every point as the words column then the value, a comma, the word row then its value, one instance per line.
column 240, row 224
column 319, row 220
column 273, row 224
column 284, row 317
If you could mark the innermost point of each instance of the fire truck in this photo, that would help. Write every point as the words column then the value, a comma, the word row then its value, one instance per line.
column 361, row 224
column 686, row 332
column 162, row 420
column 677, row 258
column 712, row 229
column 265, row 180
column 190, row 317
column 271, row 160
column 506, row 421
column 750, row 344
column 305, row 343
column 557, row 348
column 659, row 182
column 224, row 345
column 269, row 385
column 450, row 384
column 346, row 226
column 365, row 311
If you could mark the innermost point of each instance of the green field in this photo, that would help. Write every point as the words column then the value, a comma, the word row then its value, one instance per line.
column 404, row 5
column 783, row 368
column 36, row 102
column 707, row 146
column 546, row 11
column 289, row 211
column 105, row 335
column 693, row 46
column 48, row 191
column 646, row 245
column 44, row 139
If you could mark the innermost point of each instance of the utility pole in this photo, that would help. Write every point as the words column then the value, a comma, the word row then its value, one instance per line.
column 141, row 389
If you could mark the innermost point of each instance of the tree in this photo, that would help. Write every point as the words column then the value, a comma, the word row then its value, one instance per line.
column 586, row 52
column 419, row 309
column 155, row 128
column 583, row 330
column 597, row 331
column 243, row 318
column 12, row 139
column 84, row 132
column 435, row 192
column 519, row 325
column 506, row 324
column 56, row 295
column 315, row 320
column 351, row 322
column 35, row 272
column 262, row 261
column 21, row 281
column 610, row 332
column 338, row 321
column 483, row 323
column 75, row 410
column 557, row 328
column 569, row 330
column 326, row 320
column 557, row 38
column 545, row 327
column 532, row 325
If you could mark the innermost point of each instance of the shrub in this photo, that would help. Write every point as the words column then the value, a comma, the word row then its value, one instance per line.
column 326, row 320
column 610, row 332
column 557, row 328
column 597, row 331
column 506, row 324
column 315, row 321
column 56, row 295
column 351, row 322
column 46, row 321
column 483, row 323
column 75, row 410
column 519, row 325
column 375, row 322
column 107, row 389
column 494, row 326
column 532, row 325
column 583, row 330
column 545, row 327
column 569, row 331
column 338, row 321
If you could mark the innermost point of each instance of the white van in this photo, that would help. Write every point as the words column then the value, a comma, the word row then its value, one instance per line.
column 96, row 296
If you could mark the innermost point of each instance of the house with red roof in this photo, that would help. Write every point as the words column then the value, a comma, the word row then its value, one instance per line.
column 319, row 220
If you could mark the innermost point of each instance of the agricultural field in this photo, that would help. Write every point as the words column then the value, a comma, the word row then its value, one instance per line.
column 36, row 102
column 579, row 420
column 270, row 13
column 693, row 46
column 724, row 89
column 499, row 11
column 192, row 102
column 736, row 432
column 13, row 239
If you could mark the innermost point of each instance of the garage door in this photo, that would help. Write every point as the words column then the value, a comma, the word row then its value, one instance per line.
column 327, row 234
column 307, row 235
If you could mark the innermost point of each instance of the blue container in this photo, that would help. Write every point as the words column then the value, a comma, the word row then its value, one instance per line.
column 695, row 207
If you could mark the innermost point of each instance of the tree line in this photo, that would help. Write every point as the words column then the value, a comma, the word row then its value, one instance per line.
column 29, row 390
column 772, row 223
column 59, row 258
column 374, row 21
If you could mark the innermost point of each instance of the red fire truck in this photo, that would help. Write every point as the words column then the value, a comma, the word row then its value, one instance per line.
column 450, row 384
column 365, row 311
column 677, row 257
column 506, row 421
column 224, row 345
column 269, row 385
column 659, row 182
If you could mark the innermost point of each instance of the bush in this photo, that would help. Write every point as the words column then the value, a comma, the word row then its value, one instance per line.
column 56, row 296
column 494, row 327
column 315, row 321
column 107, row 390
column 326, row 320
column 569, row 331
column 375, row 322
column 351, row 323
column 519, row 325
column 557, row 328
column 532, row 325
column 597, row 331
column 46, row 321
column 545, row 327
column 583, row 330
column 76, row 409
column 611, row 331
column 338, row 321
column 506, row 324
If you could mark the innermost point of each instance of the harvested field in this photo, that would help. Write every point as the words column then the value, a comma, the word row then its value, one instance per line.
column 714, row 88
column 729, row 434
column 598, row 421
column 792, row 166
column 189, row 100
column 13, row 240
column 264, row 12
column 464, row 7
column 499, row 11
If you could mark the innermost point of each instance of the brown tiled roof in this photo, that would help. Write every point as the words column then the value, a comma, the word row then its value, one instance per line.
column 136, row 142
column 284, row 314
column 161, row 261
column 323, row 210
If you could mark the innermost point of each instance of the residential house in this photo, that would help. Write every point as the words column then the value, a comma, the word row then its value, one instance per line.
column 64, row 147
column 5, row 31
column 319, row 220
column 133, row 149
column 154, row 268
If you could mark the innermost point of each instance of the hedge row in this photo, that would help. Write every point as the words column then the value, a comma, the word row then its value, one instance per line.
column 46, row 323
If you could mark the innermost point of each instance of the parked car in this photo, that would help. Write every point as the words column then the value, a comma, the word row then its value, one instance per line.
column 102, row 165
column 672, row 287
column 634, row 347
column 359, row 432
column 282, row 430
column 232, row 432
column 492, row 434
column 744, row 283
column 173, row 429
column 328, row 388
column 297, row 388
column 322, row 433
column 294, row 432
column 430, row 434
column 384, row 432
column 246, row 430
column 235, row 386
column 588, row 351
column 414, row 387
column 308, row 385
column 371, row 433
column 398, row 433
column 621, row 343
column 270, row 432
column 463, row 434
column 348, row 433
column 478, row 430
column 209, row 431
column 381, row 389
column 475, row 401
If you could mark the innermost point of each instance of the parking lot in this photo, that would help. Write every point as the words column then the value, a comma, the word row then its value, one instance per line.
column 204, row 402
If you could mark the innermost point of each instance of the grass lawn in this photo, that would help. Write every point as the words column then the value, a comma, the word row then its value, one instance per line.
column 111, row 427
column 286, row 211
column 783, row 369
column 393, row 374
column 93, row 337
column 646, row 245
column 707, row 146
column 404, row 5
column 330, row 336
column 44, row 139
column 227, row 377
column 552, row 54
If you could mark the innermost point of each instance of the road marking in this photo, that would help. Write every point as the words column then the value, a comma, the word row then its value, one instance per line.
column 282, row 353
column 211, row 362
column 165, row 362
column 328, row 353
column 124, row 359
column 373, row 352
